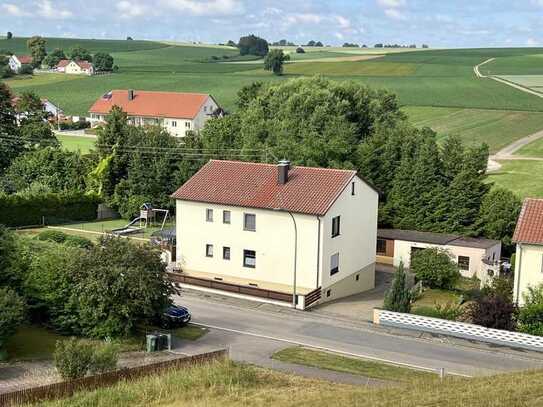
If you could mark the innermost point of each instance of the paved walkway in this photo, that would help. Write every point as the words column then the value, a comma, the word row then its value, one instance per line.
column 507, row 153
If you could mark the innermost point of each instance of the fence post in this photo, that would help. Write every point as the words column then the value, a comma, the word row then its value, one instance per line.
column 441, row 373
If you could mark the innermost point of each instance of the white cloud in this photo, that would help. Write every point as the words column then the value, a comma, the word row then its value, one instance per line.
column 343, row 22
column 392, row 3
column 304, row 18
column 46, row 10
column 339, row 35
column 395, row 14
column 206, row 7
column 532, row 42
column 128, row 9
column 14, row 10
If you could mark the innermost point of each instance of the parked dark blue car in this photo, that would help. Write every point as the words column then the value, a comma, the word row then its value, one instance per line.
column 175, row 316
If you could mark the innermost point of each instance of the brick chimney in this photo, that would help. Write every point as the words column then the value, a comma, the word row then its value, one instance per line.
column 131, row 94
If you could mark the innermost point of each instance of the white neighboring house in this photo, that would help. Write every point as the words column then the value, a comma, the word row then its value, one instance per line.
column 475, row 256
column 53, row 111
column 270, row 231
column 177, row 112
column 72, row 67
column 528, row 237
column 16, row 61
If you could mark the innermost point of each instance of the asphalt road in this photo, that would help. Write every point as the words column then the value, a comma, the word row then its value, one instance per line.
column 248, row 328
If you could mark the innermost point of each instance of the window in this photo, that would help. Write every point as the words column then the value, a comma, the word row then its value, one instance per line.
column 334, row 264
column 249, row 258
column 463, row 262
column 209, row 215
column 225, row 216
column 357, row 278
column 174, row 123
column 249, row 222
column 226, row 253
column 205, row 108
column 328, row 292
column 335, row 226
column 352, row 188
column 209, row 250
column 187, row 125
column 381, row 246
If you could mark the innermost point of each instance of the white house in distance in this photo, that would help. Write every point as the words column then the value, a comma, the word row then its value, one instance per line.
column 53, row 111
column 271, row 231
column 177, row 112
column 528, row 237
column 474, row 256
column 16, row 61
column 72, row 67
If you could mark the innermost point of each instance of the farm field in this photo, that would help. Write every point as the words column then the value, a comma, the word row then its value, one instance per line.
column 82, row 144
column 497, row 128
column 533, row 82
column 523, row 177
column 515, row 65
column 534, row 149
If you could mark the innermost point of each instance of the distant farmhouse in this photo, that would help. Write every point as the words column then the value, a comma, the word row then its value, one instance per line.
column 17, row 61
column 71, row 67
column 529, row 255
column 177, row 112
column 276, row 233
column 477, row 257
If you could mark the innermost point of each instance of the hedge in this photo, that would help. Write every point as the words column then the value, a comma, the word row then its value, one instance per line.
column 17, row 210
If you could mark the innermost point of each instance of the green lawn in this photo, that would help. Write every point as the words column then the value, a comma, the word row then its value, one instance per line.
column 37, row 343
column 338, row 363
column 497, row 128
column 93, row 228
column 431, row 297
column 523, row 177
column 348, row 68
column 77, row 143
column 190, row 332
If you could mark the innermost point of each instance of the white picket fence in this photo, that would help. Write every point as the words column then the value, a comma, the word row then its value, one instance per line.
column 458, row 329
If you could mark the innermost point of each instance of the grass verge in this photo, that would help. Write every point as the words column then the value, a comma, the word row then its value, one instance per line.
column 190, row 332
column 229, row 384
column 343, row 364
column 523, row 177
column 77, row 143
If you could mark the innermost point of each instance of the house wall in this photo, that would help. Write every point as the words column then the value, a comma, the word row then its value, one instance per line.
column 180, row 128
column 14, row 64
column 73, row 69
column 402, row 252
column 273, row 242
column 356, row 243
column 528, row 269
column 205, row 113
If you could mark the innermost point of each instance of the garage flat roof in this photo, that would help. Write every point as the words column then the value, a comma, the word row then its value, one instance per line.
column 436, row 238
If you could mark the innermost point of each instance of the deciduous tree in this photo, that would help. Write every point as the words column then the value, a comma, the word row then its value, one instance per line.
column 36, row 45
column 274, row 61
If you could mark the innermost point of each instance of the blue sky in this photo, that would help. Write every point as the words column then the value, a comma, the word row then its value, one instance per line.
column 440, row 23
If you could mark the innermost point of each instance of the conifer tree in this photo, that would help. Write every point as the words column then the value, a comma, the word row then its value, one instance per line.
column 398, row 297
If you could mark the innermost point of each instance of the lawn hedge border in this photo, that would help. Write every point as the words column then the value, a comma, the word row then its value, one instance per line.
column 17, row 210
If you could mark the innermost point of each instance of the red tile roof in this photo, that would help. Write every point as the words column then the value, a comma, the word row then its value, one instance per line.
column 152, row 104
column 308, row 190
column 24, row 59
column 84, row 64
column 530, row 222
column 63, row 62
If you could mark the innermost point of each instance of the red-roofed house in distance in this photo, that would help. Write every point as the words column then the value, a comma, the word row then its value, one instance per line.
column 528, row 237
column 276, row 233
column 177, row 112
column 15, row 62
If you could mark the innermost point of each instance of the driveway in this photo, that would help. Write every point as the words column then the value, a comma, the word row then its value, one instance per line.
column 360, row 306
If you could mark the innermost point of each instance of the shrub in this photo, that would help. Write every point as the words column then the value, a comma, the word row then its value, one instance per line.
column 104, row 359
column 493, row 312
column 449, row 311
column 78, row 241
column 73, row 358
column 530, row 317
column 398, row 297
column 12, row 313
column 435, row 268
column 26, row 69
column 51, row 235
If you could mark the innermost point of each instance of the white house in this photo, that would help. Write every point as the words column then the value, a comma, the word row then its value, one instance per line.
column 72, row 67
column 529, row 255
column 475, row 256
column 177, row 112
column 16, row 61
column 276, row 232
column 53, row 111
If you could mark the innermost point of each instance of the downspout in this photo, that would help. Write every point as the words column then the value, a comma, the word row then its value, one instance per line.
column 318, row 249
column 518, row 265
